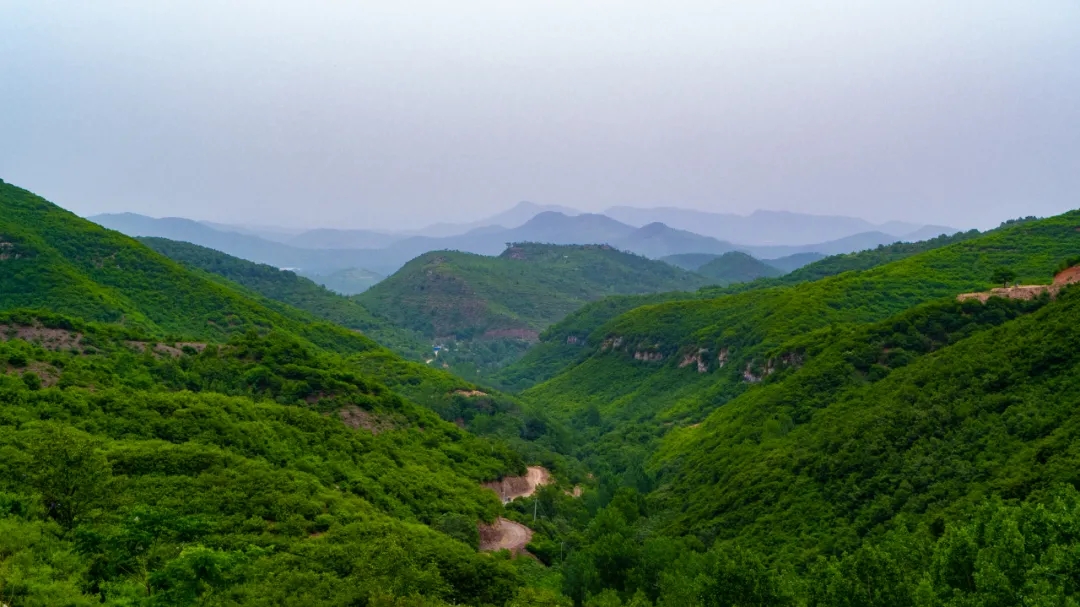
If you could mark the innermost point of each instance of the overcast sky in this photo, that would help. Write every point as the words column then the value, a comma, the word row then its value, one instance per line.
column 399, row 114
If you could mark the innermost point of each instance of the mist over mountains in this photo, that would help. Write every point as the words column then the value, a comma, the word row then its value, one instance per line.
column 653, row 233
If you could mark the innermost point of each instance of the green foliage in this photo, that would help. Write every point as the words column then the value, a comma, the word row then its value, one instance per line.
column 487, row 310
column 1003, row 275
column 736, row 267
column 185, row 477
column 297, row 292
column 546, row 359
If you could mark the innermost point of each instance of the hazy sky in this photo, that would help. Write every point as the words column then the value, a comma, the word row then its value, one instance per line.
column 379, row 114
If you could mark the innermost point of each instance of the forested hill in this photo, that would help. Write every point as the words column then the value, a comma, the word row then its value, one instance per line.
column 736, row 267
column 563, row 343
column 170, row 438
column 288, row 288
column 678, row 361
column 57, row 261
column 518, row 293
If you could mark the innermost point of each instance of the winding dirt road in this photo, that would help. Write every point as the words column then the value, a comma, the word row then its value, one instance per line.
column 505, row 534
column 513, row 487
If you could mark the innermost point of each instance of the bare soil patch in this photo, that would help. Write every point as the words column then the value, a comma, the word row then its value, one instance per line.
column 513, row 487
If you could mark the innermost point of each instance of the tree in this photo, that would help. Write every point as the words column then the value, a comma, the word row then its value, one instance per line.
column 68, row 470
column 1004, row 275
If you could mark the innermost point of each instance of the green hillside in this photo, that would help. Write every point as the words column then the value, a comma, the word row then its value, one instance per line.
column 170, row 438
column 867, row 439
column 487, row 310
column 563, row 343
column 741, row 328
column 522, row 291
column 296, row 291
column 736, row 267
column 928, row 459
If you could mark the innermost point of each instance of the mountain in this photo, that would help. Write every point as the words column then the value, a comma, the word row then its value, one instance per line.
column 736, row 267
column 689, row 261
column 927, row 233
column 654, row 240
column 350, row 281
column 751, row 321
column 326, row 238
column 286, row 287
column 793, row 262
column 865, row 438
column 272, row 233
column 561, row 344
column 657, row 240
column 848, row 244
column 763, row 227
column 170, row 437
column 251, row 248
column 851, row 433
column 462, row 295
column 511, row 218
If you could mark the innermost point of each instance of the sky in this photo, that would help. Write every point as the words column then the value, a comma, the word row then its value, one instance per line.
column 399, row 114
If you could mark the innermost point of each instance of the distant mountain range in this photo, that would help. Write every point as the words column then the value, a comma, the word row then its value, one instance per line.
column 320, row 254
column 771, row 227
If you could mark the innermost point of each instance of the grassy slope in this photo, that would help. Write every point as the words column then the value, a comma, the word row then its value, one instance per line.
column 633, row 395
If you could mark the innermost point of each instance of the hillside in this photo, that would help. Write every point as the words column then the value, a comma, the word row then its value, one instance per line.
column 642, row 367
column 857, row 438
column 296, row 291
column 97, row 275
column 350, row 281
column 736, row 267
column 313, row 261
column 865, row 407
column 452, row 295
column 172, row 438
column 564, row 342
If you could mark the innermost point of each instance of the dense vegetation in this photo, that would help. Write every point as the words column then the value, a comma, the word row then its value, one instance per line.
column 736, row 267
column 562, row 344
column 296, row 291
column 186, row 435
column 833, row 442
column 487, row 310
column 175, row 438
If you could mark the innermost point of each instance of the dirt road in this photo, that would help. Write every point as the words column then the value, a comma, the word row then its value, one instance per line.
column 513, row 487
column 505, row 534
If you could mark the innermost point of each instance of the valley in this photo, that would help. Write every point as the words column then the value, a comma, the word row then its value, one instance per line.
column 654, row 430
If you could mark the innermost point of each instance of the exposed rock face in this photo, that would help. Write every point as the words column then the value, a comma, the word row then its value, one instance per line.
column 648, row 356
column 572, row 340
column 7, row 251
column 722, row 358
column 700, row 359
column 470, row 393
column 611, row 343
